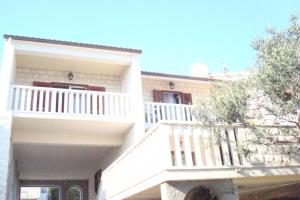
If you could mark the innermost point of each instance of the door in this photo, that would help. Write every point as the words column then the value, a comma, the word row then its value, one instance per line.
column 54, row 189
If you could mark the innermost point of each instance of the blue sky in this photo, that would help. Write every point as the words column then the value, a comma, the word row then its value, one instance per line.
column 172, row 34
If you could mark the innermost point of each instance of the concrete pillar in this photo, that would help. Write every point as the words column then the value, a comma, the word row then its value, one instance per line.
column 222, row 189
column 5, row 156
column 132, row 85
column 7, row 73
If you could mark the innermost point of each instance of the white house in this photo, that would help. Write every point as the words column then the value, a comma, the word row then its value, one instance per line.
column 73, row 114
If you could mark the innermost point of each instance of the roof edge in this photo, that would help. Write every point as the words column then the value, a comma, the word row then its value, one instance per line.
column 68, row 43
column 194, row 78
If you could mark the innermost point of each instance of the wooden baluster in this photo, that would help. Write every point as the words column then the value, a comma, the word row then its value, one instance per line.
column 101, row 103
column 208, row 147
column 53, row 101
column 88, row 103
column 35, row 100
column 216, row 147
column 23, row 99
column 41, row 100
column 187, row 146
column 168, row 110
column 225, row 148
column 17, row 99
column 163, row 111
column 28, row 100
column 177, row 146
column 60, row 102
column 196, row 144
column 83, row 104
column 233, row 147
column 94, row 103
column 46, row 109
column 66, row 102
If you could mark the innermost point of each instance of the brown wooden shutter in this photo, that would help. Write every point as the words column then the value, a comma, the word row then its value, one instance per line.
column 187, row 98
column 96, row 88
column 41, row 84
column 157, row 96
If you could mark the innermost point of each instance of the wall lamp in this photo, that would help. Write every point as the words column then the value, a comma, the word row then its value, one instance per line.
column 172, row 85
column 70, row 76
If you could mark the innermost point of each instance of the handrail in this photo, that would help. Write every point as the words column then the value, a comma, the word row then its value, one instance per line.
column 33, row 99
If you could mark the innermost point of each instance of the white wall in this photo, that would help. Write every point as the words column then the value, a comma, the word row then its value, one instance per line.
column 197, row 88
column 25, row 76
column 7, row 72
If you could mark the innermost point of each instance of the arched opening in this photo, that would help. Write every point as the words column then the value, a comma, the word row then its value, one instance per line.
column 74, row 193
column 200, row 193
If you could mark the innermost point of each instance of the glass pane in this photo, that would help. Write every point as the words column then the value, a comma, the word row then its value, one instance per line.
column 74, row 193
column 39, row 193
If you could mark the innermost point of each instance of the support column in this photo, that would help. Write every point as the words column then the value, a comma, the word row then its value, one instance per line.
column 5, row 156
column 7, row 168
column 222, row 189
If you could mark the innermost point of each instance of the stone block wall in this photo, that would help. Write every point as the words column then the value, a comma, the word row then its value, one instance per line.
column 196, row 88
column 25, row 76
column 222, row 189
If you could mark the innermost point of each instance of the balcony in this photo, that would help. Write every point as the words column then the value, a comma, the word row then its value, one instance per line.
column 66, row 112
column 155, row 112
column 174, row 151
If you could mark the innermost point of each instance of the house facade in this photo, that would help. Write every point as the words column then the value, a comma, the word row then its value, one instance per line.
column 82, row 121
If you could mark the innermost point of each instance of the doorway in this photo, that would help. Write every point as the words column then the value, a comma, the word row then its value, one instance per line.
column 53, row 189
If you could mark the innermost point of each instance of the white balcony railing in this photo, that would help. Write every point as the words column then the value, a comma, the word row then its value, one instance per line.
column 188, row 147
column 28, row 99
column 155, row 112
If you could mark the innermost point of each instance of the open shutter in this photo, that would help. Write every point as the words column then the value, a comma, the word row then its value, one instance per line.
column 41, row 84
column 187, row 98
column 95, row 88
column 157, row 96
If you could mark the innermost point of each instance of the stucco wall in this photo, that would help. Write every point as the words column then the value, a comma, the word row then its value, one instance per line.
column 25, row 76
column 223, row 189
column 5, row 157
column 198, row 89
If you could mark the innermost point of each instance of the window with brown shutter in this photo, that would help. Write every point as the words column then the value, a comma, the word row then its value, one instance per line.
column 157, row 96
column 66, row 86
column 163, row 95
column 187, row 98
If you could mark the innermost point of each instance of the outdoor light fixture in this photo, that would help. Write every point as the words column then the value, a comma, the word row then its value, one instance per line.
column 172, row 85
column 70, row 76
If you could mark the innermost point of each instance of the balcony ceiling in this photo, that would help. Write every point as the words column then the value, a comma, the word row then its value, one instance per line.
column 36, row 161
column 69, row 64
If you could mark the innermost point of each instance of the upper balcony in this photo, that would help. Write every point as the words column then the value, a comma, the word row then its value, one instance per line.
column 92, row 107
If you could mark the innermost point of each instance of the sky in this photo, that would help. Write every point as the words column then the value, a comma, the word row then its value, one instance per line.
column 174, row 35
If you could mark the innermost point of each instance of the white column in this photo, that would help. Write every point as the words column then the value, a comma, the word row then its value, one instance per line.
column 7, row 73
column 5, row 154
column 164, row 191
column 132, row 85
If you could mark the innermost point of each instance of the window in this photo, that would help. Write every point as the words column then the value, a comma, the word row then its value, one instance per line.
column 74, row 193
column 172, row 97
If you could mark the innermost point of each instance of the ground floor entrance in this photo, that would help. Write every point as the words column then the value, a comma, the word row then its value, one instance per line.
column 53, row 189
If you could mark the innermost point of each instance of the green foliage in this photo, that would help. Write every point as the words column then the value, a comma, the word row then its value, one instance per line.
column 278, row 68
column 276, row 76
column 226, row 104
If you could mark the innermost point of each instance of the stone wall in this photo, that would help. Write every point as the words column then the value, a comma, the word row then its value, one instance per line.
column 25, row 76
column 198, row 89
column 222, row 189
